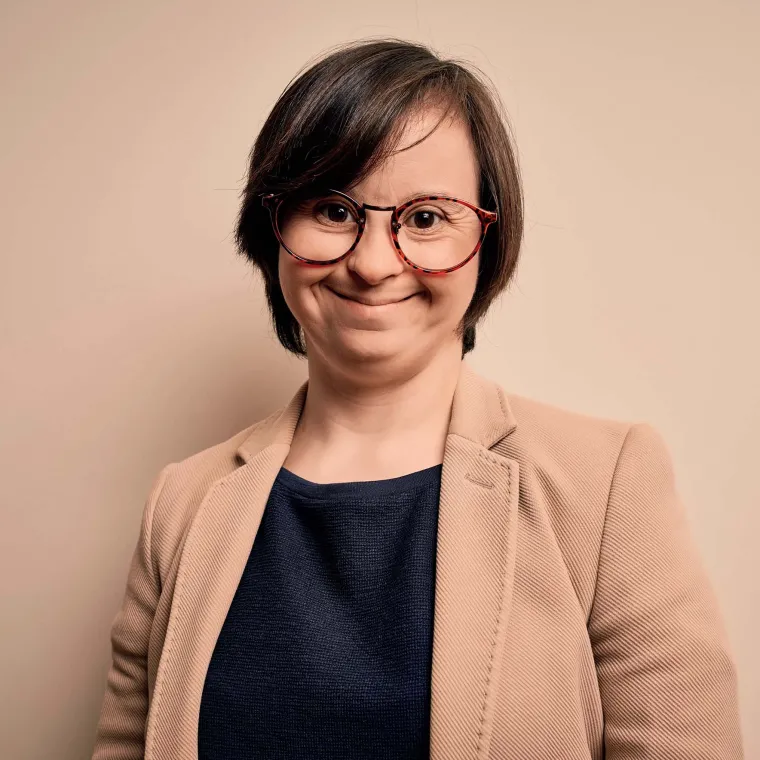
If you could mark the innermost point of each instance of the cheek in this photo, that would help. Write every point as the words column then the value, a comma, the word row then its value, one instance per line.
column 451, row 293
column 288, row 277
column 296, row 280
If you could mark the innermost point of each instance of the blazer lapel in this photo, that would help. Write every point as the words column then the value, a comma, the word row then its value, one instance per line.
column 474, row 571
column 214, row 556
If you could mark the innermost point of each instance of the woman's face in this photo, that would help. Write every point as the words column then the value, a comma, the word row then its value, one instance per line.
column 372, row 306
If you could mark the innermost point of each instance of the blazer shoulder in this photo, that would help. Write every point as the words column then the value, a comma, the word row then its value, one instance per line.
column 218, row 460
column 184, row 485
column 559, row 440
column 546, row 421
column 568, row 460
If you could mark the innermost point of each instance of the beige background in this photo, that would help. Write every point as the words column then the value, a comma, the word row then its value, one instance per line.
column 123, row 141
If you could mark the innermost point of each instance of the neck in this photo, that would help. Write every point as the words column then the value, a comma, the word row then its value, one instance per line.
column 354, row 428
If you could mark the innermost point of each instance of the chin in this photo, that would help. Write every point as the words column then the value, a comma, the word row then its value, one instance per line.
column 371, row 345
column 395, row 349
column 398, row 346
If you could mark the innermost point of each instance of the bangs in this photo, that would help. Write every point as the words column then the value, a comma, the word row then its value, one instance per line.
column 338, row 135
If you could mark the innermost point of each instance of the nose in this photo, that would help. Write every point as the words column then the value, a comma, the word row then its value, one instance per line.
column 375, row 258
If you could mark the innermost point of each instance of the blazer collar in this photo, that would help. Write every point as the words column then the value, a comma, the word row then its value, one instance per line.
column 480, row 412
column 475, row 567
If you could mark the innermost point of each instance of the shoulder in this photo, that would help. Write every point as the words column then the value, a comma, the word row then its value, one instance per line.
column 556, row 438
column 567, row 458
column 563, row 430
column 181, row 487
column 572, row 465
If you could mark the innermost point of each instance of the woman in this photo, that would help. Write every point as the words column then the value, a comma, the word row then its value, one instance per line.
column 406, row 561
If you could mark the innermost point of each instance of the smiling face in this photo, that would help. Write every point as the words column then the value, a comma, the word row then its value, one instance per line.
column 372, row 306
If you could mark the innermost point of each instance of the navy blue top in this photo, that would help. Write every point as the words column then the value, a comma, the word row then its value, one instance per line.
column 326, row 648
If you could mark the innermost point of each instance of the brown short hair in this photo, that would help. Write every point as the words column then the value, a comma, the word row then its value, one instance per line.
column 341, row 117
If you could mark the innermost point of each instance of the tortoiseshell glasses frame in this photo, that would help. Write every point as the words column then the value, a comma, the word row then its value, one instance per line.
column 273, row 202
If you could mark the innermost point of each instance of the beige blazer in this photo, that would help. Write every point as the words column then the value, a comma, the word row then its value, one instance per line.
column 573, row 619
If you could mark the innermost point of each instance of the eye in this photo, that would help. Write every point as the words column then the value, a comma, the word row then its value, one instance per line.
column 423, row 219
column 334, row 212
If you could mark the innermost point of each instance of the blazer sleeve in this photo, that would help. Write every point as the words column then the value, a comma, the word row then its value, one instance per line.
column 666, row 673
column 121, row 728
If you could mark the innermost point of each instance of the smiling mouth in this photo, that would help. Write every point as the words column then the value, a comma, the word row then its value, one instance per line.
column 369, row 303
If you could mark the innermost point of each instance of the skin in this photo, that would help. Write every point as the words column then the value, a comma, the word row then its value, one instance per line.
column 384, row 355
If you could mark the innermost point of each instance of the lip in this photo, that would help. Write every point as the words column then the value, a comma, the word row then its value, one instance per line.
column 371, row 304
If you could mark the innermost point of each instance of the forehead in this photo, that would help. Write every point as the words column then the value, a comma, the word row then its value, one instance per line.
column 443, row 162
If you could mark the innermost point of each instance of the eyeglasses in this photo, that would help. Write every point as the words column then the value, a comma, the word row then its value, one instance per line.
column 435, row 234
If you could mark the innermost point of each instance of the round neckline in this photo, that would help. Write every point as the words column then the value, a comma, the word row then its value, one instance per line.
column 402, row 483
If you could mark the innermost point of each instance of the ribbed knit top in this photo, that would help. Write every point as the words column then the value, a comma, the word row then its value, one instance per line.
column 326, row 648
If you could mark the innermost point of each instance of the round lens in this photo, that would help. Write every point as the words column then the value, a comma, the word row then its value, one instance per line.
column 318, row 228
column 438, row 233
